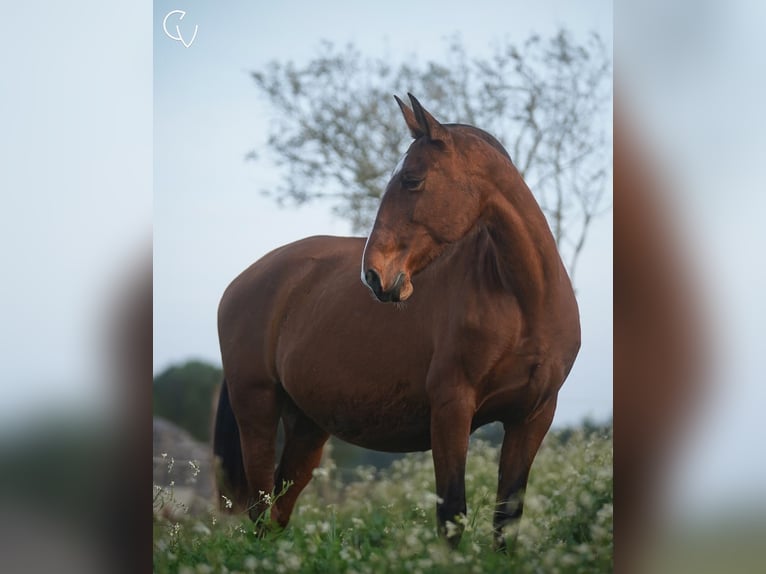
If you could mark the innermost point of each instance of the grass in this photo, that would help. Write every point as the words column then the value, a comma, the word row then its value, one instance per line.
column 384, row 521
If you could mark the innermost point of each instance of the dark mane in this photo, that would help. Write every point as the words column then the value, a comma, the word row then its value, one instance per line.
column 487, row 137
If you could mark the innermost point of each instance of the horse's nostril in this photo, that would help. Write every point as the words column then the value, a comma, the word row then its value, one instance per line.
column 372, row 279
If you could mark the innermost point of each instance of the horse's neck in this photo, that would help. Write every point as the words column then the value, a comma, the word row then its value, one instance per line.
column 526, row 259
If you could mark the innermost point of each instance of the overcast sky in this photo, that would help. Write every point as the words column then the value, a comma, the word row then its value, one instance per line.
column 210, row 221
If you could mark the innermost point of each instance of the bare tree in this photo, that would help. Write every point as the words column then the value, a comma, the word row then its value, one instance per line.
column 337, row 133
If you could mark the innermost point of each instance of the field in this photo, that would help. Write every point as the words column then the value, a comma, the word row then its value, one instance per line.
column 369, row 521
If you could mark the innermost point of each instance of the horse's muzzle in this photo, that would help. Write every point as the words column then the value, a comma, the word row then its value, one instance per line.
column 392, row 294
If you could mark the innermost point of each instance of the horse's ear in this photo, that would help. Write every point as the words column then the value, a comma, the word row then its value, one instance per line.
column 427, row 123
column 409, row 118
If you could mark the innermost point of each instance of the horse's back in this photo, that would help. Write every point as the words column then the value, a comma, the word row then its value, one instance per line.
column 254, row 305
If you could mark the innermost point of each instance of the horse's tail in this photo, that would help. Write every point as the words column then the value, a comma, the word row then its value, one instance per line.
column 227, row 450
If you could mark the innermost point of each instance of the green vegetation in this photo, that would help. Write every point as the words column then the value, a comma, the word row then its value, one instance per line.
column 185, row 395
column 383, row 520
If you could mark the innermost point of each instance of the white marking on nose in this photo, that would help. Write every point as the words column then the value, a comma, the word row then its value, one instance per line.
column 399, row 165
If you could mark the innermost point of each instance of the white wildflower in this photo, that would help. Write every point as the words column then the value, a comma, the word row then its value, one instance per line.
column 175, row 530
column 452, row 529
column 293, row 562
column 320, row 472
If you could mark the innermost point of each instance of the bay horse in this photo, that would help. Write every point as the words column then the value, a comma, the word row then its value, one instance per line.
column 465, row 315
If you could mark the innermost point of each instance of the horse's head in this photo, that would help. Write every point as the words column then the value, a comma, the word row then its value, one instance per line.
column 429, row 203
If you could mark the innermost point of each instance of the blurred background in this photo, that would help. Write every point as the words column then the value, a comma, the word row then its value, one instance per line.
column 688, row 382
column 75, row 333
column 93, row 121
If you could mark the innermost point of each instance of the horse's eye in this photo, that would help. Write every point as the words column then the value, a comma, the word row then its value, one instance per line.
column 412, row 184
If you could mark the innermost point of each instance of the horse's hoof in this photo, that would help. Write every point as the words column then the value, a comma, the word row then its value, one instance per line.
column 500, row 546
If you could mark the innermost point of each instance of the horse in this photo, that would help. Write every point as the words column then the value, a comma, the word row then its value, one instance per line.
column 465, row 315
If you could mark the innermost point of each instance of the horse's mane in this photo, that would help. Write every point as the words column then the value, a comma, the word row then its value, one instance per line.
column 488, row 256
column 487, row 137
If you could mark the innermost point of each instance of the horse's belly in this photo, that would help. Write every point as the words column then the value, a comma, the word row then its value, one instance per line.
column 390, row 415
column 359, row 370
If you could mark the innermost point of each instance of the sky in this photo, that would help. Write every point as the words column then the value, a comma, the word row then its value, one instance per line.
column 210, row 222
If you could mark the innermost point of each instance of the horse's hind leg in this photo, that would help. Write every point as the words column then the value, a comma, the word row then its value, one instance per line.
column 520, row 446
column 302, row 452
column 257, row 407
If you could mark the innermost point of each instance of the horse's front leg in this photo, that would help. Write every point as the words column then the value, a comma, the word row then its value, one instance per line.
column 520, row 445
column 452, row 410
